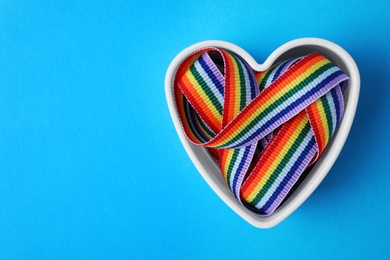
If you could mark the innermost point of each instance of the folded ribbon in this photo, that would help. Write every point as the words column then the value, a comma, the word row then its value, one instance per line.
column 264, row 129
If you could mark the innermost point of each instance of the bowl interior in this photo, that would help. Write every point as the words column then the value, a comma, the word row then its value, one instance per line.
column 211, row 168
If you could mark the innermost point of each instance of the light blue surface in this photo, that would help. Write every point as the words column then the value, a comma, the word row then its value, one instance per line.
column 92, row 168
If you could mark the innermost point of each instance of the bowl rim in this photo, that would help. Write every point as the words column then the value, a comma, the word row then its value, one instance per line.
column 329, row 156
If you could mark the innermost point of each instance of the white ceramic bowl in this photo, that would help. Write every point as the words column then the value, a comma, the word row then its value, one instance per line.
column 211, row 172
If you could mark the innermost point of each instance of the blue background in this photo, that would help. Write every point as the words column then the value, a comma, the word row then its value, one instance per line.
column 91, row 166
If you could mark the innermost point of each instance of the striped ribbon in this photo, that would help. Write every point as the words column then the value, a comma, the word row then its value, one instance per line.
column 265, row 129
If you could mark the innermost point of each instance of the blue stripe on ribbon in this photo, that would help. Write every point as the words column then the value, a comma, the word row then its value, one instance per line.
column 289, row 175
column 292, row 106
column 211, row 75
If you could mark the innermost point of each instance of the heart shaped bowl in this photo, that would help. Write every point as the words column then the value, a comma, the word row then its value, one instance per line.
column 208, row 168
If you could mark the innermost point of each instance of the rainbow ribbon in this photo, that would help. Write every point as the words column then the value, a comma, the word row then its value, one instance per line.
column 264, row 129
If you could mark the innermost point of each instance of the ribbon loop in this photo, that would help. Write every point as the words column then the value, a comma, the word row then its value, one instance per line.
column 264, row 129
